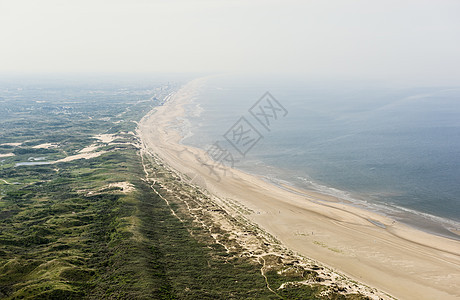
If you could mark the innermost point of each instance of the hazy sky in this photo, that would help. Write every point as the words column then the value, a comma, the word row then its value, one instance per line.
column 386, row 40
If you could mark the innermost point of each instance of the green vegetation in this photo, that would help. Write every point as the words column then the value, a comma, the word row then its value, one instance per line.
column 70, row 230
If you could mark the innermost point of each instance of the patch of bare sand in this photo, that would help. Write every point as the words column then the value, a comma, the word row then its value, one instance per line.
column 81, row 156
column 105, row 138
column 11, row 144
column 46, row 146
column 7, row 155
column 89, row 149
column 126, row 187
column 402, row 261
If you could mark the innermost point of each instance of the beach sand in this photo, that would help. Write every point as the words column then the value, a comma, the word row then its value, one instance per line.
column 375, row 250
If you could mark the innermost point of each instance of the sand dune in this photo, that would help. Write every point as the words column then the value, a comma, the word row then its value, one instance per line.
column 397, row 259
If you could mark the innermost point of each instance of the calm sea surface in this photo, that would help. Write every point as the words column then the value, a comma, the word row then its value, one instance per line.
column 392, row 150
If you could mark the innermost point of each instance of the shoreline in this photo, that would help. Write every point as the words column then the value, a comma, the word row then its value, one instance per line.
column 381, row 253
column 421, row 221
column 430, row 222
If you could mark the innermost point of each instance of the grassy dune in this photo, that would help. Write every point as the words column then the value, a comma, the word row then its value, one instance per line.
column 120, row 225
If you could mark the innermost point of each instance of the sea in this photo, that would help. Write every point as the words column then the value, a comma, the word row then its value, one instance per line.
column 391, row 149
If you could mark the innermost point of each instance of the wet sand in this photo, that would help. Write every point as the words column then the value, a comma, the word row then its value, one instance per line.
column 373, row 249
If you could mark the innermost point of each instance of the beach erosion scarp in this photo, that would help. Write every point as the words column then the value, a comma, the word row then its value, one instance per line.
column 370, row 248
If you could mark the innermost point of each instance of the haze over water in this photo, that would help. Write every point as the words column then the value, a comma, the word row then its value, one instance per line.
column 393, row 150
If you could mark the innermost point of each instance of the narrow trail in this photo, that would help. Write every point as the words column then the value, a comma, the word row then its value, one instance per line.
column 198, row 208
column 158, row 193
column 190, row 210
column 266, row 279
column 207, row 211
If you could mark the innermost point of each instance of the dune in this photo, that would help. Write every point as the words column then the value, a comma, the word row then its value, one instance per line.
column 373, row 249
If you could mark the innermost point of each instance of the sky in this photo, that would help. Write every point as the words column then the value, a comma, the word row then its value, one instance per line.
column 412, row 41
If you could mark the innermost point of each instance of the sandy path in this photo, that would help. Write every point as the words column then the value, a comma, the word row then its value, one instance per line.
column 404, row 262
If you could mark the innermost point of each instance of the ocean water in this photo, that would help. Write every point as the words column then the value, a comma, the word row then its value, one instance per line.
column 392, row 150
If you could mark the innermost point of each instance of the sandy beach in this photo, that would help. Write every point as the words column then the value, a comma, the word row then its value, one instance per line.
column 375, row 250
